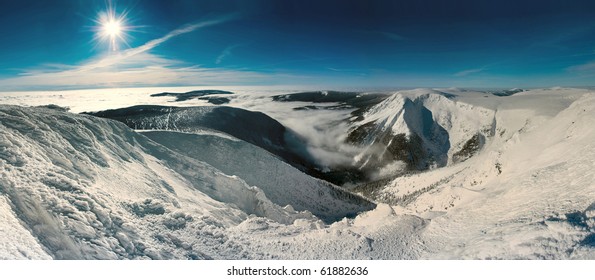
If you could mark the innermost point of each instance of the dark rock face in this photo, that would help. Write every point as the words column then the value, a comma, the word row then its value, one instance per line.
column 471, row 147
column 400, row 147
column 408, row 149
column 359, row 135
column 215, row 100
column 508, row 92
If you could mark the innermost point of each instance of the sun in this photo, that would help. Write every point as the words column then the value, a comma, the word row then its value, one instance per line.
column 112, row 28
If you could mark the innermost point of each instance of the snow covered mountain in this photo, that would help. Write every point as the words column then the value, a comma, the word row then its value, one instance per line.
column 76, row 186
column 419, row 130
column 389, row 135
column 453, row 174
column 253, row 127
column 528, row 193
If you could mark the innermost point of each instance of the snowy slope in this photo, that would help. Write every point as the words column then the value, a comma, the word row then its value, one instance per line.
column 83, row 187
column 282, row 183
column 528, row 194
column 253, row 127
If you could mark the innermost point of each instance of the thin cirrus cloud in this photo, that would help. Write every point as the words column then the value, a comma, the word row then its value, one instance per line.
column 225, row 53
column 468, row 72
column 586, row 68
column 132, row 67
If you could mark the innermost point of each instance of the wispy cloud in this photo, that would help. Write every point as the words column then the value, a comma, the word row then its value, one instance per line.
column 468, row 72
column 225, row 53
column 344, row 70
column 585, row 68
column 337, row 69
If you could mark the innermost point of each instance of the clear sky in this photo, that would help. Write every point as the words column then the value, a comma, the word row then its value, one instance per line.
column 64, row 44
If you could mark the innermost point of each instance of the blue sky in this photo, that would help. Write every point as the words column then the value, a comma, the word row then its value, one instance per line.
column 332, row 44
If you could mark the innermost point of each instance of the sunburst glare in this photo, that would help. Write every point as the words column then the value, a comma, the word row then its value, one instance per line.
column 112, row 28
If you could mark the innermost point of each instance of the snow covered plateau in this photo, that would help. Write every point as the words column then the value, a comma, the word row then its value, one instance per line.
column 271, row 174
